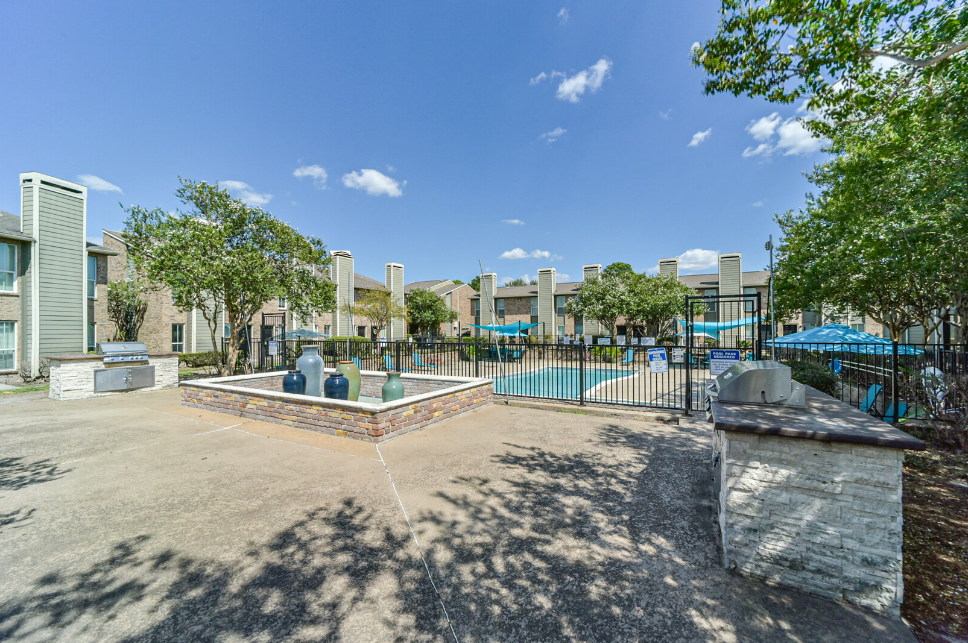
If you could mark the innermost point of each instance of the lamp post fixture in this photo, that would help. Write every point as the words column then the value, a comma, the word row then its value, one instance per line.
column 769, row 246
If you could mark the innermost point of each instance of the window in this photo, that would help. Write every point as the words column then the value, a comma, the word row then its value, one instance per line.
column 750, row 304
column 711, row 305
column 534, row 309
column 579, row 328
column 178, row 338
column 361, row 331
column 560, row 305
column 561, row 331
column 789, row 329
column 327, row 330
column 477, row 308
column 8, row 268
column 227, row 331
column 91, row 337
column 91, row 277
column 8, row 345
column 282, row 302
column 500, row 308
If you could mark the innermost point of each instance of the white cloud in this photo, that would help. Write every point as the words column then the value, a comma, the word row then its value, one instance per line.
column 514, row 221
column 788, row 136
column 390, row 168
column 526, row 277
column 591, row 79
column 563, row 15
column 97, row 184
column 666, row 115
column 520, row 253
column 246, row 193
column 562, row 277
column 315, row 172
column 696, row 260
column 695, row 47
column 374, row 182
column 762, row 129
column 757, row 204
column 537, row 79
column 699, row 137
column 554, row 134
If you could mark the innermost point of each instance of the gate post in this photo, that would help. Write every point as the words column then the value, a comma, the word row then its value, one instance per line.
column 894, row 381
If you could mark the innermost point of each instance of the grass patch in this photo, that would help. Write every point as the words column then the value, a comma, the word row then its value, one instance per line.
column 936, row 545
column 27, row 389
column 575, row 411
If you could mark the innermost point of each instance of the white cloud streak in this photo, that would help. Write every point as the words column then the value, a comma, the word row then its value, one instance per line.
column 697, row 260
column 757, row 204
column 520, row 253
column 787, row 136
column 699, row 137
column 97, row 184
column 315, row 172
column 571, row 88
column 245, row 192
column 666, row 115
column 563, row 15
column 374, row 182
column 553, row 135
column 513, row 221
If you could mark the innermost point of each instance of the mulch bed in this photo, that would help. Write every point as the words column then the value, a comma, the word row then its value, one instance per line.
column 936, row 545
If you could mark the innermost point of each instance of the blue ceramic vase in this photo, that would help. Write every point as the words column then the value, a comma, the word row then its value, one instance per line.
column 337, row 386
column 393, row 389
column 294, row 382
column 310, row 364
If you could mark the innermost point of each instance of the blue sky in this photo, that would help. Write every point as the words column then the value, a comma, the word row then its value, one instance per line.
column 526, row 135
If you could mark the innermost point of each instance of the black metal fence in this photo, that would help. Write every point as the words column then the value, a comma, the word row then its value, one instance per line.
column 891, row 381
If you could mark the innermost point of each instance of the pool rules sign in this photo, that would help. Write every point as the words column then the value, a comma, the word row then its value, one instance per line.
column 720, row 360
column 658, row 361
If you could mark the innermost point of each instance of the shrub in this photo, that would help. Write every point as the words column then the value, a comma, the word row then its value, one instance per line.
column 816, row 375
column 200, row 360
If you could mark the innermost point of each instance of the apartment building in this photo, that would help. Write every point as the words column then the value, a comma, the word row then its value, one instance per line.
column 457, row 297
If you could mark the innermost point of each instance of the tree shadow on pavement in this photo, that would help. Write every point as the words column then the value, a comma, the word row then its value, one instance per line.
column 17, row 473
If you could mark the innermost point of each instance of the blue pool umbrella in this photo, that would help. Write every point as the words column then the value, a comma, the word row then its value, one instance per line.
column 712, row 329
column 838, row 337
column 300, row 333
column 506, row 329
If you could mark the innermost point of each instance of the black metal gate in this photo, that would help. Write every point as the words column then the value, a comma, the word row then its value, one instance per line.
column 272, row 353
column 720, row 329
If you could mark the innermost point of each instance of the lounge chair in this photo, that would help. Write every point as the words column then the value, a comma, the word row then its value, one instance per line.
column 356, row 360
column 836, row 366
column 629, row 356
column 419, row 363
column 388, row 361
column 902, row 410
column 869, row 403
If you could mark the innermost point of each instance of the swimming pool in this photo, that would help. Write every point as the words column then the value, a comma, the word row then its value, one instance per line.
column 559, row 382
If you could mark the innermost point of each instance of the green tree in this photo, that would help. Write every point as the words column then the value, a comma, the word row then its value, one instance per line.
column 475, row 283
column 223, row 255
column 828, row 51
column 126, row 309
column 618, row 269
column 887, row 235
column 378, row 306
column 654, row 302
column 603, row 299
column 517, row 282
column 427, row 310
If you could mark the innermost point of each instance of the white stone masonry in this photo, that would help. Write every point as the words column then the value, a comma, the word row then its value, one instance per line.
column 73, row 379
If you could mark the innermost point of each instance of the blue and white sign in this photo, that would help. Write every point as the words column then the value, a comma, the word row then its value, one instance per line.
column 604, row 341
column 273, row 348
column 658, row 361
column 678, row 355
column 720, row 359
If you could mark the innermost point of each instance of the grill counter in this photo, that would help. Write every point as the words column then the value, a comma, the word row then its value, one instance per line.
column 123, row 353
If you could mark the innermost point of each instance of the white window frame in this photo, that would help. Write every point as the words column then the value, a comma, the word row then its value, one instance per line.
column 91, row 279
column 182, row 342
column 500, row 308
column 14, row 350
column 16, row 264
column 283, row 304
column 560, row 303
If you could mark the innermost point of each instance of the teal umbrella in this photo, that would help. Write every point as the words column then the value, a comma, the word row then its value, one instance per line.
column 838, row 337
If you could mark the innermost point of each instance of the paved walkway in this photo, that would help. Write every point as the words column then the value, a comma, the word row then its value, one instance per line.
column 131, row 518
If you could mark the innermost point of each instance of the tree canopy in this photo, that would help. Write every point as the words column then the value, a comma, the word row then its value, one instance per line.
column 850, row 58
column 223, row 255
column 426, row 311
column 378, row 306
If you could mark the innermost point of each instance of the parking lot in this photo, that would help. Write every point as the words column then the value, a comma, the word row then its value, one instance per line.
column 131, row 518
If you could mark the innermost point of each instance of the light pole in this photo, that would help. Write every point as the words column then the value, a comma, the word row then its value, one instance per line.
column 769, row 246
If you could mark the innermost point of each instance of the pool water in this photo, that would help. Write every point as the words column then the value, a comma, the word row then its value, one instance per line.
column 561, row 382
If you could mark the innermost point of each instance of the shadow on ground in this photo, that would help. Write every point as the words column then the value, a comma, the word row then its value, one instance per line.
column 614, row 543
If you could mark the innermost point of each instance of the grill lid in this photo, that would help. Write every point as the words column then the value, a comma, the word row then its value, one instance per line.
column 761, row 382
column 115, row 352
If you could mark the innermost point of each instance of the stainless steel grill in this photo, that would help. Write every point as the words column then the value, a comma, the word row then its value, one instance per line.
column 762, row 382
column 123, row 352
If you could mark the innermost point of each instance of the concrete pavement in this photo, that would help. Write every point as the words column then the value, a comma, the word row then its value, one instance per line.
column 131, row 518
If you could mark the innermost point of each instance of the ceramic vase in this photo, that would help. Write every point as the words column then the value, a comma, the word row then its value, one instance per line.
column 337, row 386
column 310, row 364
column 352, row 373
column 393, row 389
column 294, row 382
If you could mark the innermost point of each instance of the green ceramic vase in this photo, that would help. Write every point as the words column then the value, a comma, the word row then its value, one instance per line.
column 352, row 373
column 393, row 389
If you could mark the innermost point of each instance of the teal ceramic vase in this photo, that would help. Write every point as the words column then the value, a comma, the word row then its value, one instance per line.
column 352, row 373
column 393, row 389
